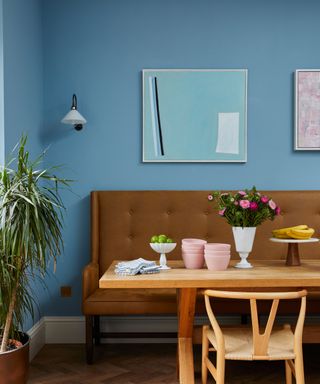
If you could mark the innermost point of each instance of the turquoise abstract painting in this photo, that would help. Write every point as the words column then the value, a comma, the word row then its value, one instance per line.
column 194, row 115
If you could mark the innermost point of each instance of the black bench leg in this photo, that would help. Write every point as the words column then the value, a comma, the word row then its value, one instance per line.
column 97, row 330
column 89, row 339
column 244, row 319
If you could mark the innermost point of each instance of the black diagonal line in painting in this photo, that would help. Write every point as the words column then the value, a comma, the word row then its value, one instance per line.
column 158, row 115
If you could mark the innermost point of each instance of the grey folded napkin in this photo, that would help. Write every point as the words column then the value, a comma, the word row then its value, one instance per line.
column 133, row 267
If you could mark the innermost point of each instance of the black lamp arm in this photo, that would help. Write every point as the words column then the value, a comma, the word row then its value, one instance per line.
column 74, row 102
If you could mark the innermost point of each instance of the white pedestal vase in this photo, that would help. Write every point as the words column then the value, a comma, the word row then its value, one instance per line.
column 244, row 238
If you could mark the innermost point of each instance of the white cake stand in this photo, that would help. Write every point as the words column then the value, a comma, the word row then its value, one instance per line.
column 293, row 257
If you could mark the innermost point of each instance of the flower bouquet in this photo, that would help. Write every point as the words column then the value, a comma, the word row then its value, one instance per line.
column 245, row 208
column 244, row 211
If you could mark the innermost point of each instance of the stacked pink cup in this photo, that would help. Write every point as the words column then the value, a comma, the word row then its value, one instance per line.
column 217, row 256
column 193, row 253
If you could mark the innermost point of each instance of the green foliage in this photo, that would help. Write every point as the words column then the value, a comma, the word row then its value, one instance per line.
column 31, row 214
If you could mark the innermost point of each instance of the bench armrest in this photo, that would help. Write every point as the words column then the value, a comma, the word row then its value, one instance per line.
column 90, row 279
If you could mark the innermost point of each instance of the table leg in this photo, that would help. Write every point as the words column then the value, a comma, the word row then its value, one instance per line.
column 293, row 257
column 186, row 308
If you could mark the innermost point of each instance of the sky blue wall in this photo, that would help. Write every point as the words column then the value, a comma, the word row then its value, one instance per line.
column 98, row 48
column 23, row 82
column 23, row 72
column 1, row 88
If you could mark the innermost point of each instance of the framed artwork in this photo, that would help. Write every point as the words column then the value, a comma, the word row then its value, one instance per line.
column 307, row 110
column 194, row 115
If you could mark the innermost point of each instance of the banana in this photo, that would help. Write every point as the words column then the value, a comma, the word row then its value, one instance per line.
column 281, row 236
column 301, row 234
column 283, row 231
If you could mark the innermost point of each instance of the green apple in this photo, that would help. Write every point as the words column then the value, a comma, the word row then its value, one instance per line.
column 169, row 240
column 154, row 239
column 162, row 238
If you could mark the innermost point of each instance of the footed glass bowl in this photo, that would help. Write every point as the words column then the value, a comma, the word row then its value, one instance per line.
column 163, row 248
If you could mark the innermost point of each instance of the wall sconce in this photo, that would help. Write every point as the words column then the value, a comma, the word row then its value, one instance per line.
column 74, row 117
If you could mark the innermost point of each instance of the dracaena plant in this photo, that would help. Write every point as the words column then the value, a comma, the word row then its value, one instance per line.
column 31, row 213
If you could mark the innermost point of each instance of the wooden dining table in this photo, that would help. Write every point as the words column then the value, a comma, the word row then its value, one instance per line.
column 265, row 275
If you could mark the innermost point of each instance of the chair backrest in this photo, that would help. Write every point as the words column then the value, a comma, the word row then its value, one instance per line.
column 260, row 340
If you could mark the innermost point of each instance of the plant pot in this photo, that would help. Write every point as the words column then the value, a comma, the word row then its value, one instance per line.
column 244, row 238
column 14, row 365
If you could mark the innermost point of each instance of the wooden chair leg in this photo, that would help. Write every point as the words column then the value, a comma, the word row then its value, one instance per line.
column 220, row 368
column 96, row 330
column 298, row 364
column 288, row 373
column 89, row 339
column 205, row 353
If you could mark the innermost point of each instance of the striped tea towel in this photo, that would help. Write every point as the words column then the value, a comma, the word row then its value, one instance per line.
column 133, row 267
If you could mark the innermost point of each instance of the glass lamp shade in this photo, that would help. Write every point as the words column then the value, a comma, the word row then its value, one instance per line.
column 73, row 117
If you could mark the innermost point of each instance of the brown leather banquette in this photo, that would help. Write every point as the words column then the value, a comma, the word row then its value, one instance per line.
column 122, row 223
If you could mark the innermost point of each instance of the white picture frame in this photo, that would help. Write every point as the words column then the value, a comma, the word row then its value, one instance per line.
column 229, row 113
column 307, row 110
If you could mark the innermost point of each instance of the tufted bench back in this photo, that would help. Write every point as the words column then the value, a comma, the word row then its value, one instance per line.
column 122, row 223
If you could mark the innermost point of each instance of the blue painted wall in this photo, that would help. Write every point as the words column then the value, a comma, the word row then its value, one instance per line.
column 98, row 49
column 23, row 72
column 1, row 88
column 23, row 83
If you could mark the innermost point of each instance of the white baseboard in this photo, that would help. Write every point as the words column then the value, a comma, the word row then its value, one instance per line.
column 71, row 329
column 37, row 338
column 65, row 329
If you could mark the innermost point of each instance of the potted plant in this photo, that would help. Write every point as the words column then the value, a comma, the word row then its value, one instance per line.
column 30, row 237
column 244, row 211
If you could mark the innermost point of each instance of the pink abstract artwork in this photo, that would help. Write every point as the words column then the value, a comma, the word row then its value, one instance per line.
column 308, row 109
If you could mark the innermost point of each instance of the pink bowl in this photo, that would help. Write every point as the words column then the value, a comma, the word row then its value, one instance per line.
column 215, row 263
column 193, row 241
column 217, row 246
column 194, row 254
column 217, row 253
column 199, row 247
column 193, row 261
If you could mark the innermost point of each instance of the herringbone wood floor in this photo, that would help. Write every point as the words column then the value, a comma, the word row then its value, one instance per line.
column 149, row 364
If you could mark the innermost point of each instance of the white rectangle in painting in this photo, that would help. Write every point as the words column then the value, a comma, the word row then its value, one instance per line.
column 228, row 132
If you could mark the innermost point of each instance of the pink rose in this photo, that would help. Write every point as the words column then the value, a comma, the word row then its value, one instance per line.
column 242, row 193
column 272, row 204
column 222, row 211
column 264, row 199
column 210, row 197
column 244, row 204
column 236, row 203
column 253, row 206
column 278, row 211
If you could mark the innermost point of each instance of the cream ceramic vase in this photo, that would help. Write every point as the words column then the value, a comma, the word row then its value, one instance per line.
column 243, row 238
